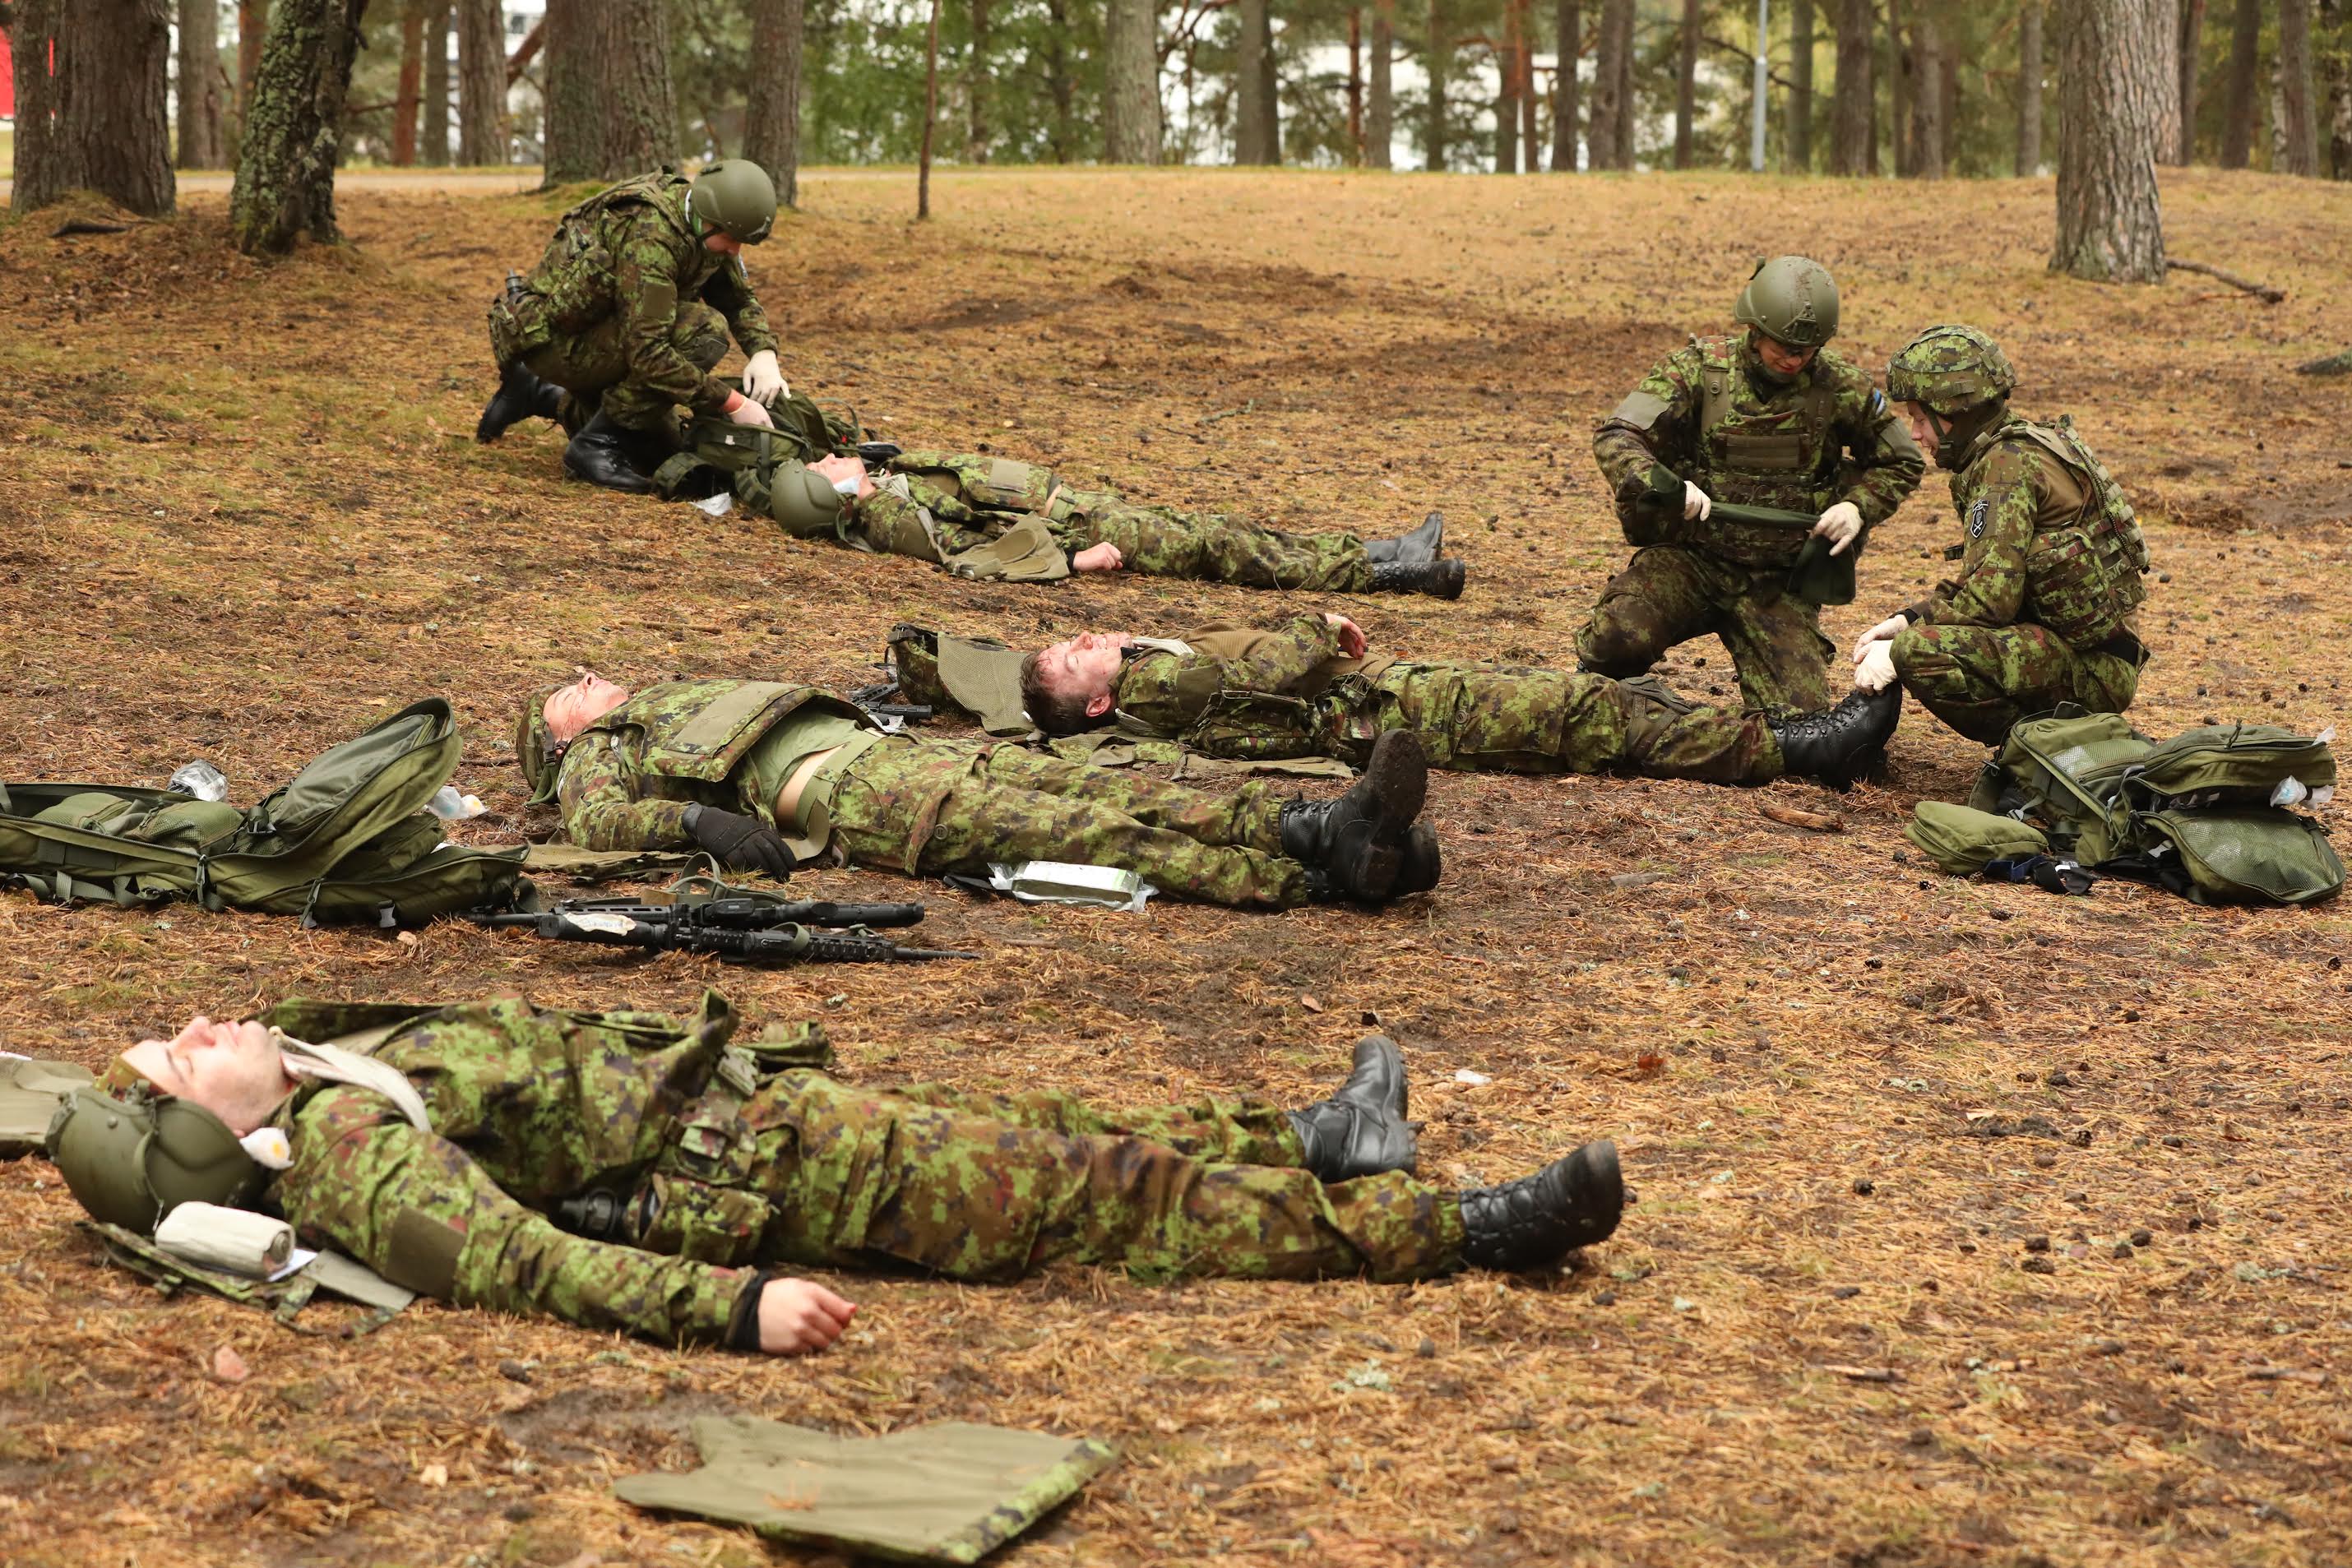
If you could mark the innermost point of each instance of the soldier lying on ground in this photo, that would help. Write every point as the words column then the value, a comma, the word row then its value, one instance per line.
column 2045, row 607
column 627, row 313
column 630, row 1171
column 1309, row 687
column 761, row 775
column 1769, row 418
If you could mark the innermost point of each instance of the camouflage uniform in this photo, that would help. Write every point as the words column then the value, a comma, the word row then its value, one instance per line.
column 932, row 504
column 2050, row 540
column 1708, row 413
column 724, row 1168
column 1235, row 692
column 628, row 304
column 920, row 807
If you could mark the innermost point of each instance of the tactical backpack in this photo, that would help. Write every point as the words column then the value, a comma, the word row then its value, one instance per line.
column 347, row 839
column 2205, row 814
column 722, row 455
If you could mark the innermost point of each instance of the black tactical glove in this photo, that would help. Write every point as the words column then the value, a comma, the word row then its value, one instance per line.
column 740, row 842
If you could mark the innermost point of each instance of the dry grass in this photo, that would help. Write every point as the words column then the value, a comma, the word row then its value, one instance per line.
column 245, row 514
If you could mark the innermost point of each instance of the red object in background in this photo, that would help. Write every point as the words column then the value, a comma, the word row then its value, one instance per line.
column 7, row 79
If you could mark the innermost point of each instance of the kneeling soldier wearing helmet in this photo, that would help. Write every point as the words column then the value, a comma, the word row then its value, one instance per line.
column 635, row 1172
column 1767, row 419
column 2045, row 606
column 627, row 313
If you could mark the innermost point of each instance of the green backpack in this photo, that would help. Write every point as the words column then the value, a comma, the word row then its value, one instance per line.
column 2203, row 814
column 346, row 838
column 748, row 453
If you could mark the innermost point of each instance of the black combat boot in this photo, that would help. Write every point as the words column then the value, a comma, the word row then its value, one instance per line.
column 601, row 454
column 1438, row 579
column 1537, row 1220
column 1360, row 1130
column 1840, row 745
column 1358, row 839
column 1419, row 548
column 1419, row 867
column 520, row 396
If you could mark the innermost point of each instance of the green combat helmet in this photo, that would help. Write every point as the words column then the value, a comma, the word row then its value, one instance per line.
column 130, row 1161
column 1791, row 300
column 535, row 749
column 736, row 197
column 1950, row 370
column 804, row 501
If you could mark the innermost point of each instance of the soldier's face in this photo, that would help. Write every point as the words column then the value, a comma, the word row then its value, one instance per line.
column 1779, row 358
column 723, row 244
column 1083, row 666
column 574, row 708
column 1923, row 428
column 230, row 1068
column 837, row 468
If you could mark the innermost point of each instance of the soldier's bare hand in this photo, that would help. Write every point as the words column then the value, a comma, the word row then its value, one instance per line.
column 1841, row 525
column 1103, row 557
column 1885, row 630
column 797, row 1316
column 1351, row 636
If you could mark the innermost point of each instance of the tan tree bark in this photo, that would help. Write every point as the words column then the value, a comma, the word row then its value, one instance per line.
column 1132, row 121
column 481, row 83
column 1608, row 141
column 252, row 27
column 2029, row 88
column 98, row 120
column 1254, row 130
column 611, row 113
column 1927, row 121
column 2191, row 50
column 2165, row 42
column 2336, row 23
column 2110, row 225
column 772, row 110
column 1687, row 82
column 410, row 84
column 1570, row 24
column 1797, row 143
column 203, row 142
column 1380, row 89
column 1901, row 68
column 1437, row 61
column 1507, row 99
column 433, row 129
column 2245, row 63
column 1853, row 136
column 2298, row 90
column 976, row 85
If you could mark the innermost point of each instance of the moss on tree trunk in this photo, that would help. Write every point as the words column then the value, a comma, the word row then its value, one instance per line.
column 293, row 128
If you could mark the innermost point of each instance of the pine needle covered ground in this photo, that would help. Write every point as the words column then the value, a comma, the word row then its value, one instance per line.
column 244, row 516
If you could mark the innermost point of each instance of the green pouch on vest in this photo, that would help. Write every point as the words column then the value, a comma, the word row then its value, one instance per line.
column 978, row 678
column 31, row 1091
column 2233, row 764
column 1025, row 552
column 2244, row 855
column 951, row 1492
column 1963, row 840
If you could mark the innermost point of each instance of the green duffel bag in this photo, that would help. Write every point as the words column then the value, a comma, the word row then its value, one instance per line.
column 2232, row 765
column 1963, row 840
column 2251, row 854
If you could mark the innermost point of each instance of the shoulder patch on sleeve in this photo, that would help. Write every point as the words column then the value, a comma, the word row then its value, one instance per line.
column 1640, row 410
column 422, row 1254
column 658, row 298
column 1877, row 402
column 1978, row 511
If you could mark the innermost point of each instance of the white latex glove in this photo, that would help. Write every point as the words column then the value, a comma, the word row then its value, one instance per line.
column 1875, row 670
column 1841, row 525
column 762, row 382
column 1885, row 630
column 748, row 411
column 1697, row 504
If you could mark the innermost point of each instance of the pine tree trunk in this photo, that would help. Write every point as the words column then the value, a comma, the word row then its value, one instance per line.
column 1928, row 127
column 1530, row 107
column 2113, row 75
column 2298, row 95
column 2029, row 88
column 1687, row 84
column 1131, row 129
column 252, row 26
column 481, row 83
column 201, row 144
column 1269, row 87
column 2245, row 61
column 1851, row 134
column 1608, row 141
column 1355, row 151
column 104, row 116
column 2335, row 21
column 976, row 86
column 2192, row 51
column 1437, row 59
column 1253, row 137
column 1380, row 105
column 1797, row 145
column 2165, row 43
column 410, row 84
column 1900, row 66
column 1627, row 113
column 610, row 110
column 1570, row 21
column 771, row 110
column 286, row 169
column 1058, row 85
column 1507, row 106
column 433, row 133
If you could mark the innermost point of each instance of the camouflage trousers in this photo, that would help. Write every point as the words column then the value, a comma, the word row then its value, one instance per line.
column 981, row 1186
column 1982, row 680
column 928, row 807
column 591, row 366
column 1209, row 546
column 1668, row 595
column 1506, row 719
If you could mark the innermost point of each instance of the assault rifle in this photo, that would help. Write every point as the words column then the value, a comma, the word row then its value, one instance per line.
column 1815, row 575
column 740, row 930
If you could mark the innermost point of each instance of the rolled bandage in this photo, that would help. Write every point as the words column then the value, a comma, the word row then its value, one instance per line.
column 233, row 1240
